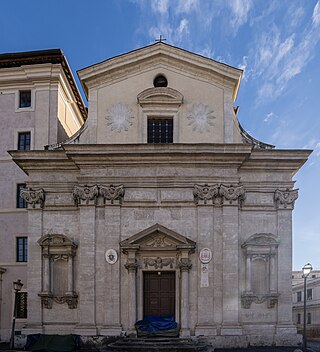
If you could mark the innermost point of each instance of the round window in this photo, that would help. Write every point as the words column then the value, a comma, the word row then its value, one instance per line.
column 160, row 81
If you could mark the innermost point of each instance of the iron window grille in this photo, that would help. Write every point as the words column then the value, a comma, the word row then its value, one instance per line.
column 160, row 130
column 22, row 305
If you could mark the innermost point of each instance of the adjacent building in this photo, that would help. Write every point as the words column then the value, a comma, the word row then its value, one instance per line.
column 161, row 204
column 39, row 105
column 313, row 302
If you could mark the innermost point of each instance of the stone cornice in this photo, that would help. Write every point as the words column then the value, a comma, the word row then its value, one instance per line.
column 241, row 156
column 165, row 52
column 232, row 155
column 287, row 160
column 42, row 160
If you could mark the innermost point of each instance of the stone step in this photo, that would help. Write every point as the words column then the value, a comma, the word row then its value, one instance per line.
column 157, row 344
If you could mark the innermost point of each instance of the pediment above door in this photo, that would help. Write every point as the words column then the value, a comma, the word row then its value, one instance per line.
column 157, row 237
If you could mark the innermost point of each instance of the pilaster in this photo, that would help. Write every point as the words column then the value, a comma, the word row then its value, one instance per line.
column 132, row 267
column 205, row 321
column 87, row 268
column 34, row 282
column 185, row 266
column 232, row 198
column 111, row 279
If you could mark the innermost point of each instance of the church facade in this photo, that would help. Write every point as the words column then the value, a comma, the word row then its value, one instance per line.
column 161, row 204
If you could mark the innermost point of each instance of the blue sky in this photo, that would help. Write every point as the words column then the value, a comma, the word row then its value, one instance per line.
column 275, row 42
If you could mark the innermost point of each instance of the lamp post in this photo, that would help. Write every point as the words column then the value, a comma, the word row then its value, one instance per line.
column 17, row 286
column 306, row 271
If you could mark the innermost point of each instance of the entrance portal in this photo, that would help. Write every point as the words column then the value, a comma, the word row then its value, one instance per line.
column 159, row 291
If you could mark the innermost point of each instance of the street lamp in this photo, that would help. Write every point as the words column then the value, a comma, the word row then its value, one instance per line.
column 306, row 271
column 17, row 286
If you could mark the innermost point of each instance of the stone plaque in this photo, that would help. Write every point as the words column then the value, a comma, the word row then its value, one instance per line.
column 205, row 255
column 204, row 275
column 111, row 256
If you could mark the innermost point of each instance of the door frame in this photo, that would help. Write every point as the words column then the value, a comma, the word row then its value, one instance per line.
column 140, row 297
column 155, row 272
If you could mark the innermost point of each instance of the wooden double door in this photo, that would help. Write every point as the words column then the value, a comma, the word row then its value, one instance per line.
column 159, row 292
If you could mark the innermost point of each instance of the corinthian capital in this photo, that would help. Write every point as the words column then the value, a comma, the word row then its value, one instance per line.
column 85, row 194
column 112, row 193
column 131, row 266
column 185, row 264
column 285, row 199
column 33, row 196
column 232, row 194
column 205, row 193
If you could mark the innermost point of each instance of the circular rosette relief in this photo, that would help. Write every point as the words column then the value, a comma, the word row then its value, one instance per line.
column 200, row 117
column 119, row 117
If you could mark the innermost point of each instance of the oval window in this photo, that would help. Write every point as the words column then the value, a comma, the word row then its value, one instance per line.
column 160, row 81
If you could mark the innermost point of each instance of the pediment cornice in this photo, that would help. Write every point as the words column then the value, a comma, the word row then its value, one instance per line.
column 148, row 57
column 157, row 237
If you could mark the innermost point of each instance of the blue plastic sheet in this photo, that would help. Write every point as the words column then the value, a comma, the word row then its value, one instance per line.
column 156, row 324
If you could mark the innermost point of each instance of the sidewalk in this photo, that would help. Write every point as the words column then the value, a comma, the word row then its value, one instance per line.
column 313, row 345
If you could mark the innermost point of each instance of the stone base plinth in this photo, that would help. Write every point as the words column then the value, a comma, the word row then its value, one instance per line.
column 86, row 330
column 231, row 330
column 206, row 330
column 33, row 329
column 112, row 330
column 184, row 333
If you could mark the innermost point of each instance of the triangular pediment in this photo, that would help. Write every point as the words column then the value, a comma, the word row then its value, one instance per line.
column 55, row 240
column 159, row 54
column 157, row 237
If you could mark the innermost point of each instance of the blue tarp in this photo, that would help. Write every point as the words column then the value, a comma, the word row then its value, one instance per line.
column 156, row 324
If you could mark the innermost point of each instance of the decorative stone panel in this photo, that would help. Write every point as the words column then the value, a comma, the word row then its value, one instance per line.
column 119, row 117
column 33, row 197
column 285, row 199
column 58, row 249
column 247, row 299
column 261, row 255
column 200, row 117
column 158, row 263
